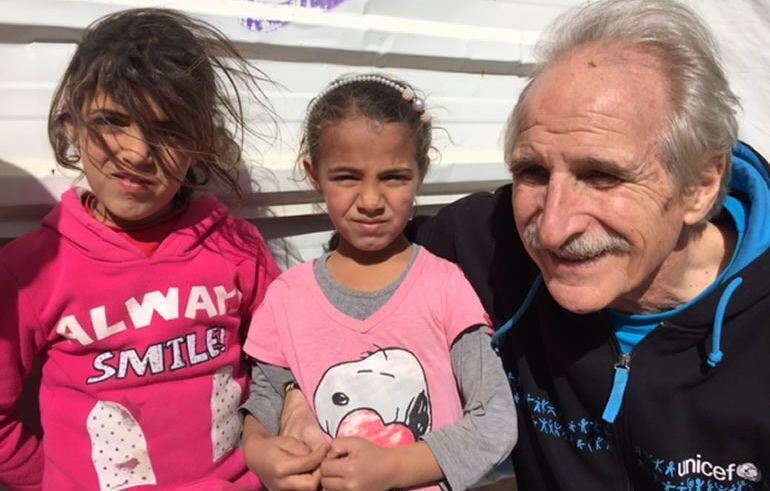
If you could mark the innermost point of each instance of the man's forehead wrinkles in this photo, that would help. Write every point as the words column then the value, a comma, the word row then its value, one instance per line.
column 590, row 121
column 632, row 170
column 599, row 156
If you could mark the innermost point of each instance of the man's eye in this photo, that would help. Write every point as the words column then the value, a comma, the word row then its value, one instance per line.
column 602, row 179
column 531, row 174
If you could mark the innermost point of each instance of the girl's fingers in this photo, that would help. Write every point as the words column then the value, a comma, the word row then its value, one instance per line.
column 301, row 482
column 343, row 446
column 303, row 464
column 334, row 467
column 333, row 484
column 317, row 476
column 334, row 452
column 294, row 446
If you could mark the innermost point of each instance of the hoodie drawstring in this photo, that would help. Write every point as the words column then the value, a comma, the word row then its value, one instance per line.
column 620, row 378
column 497, row 337
column 716, row 354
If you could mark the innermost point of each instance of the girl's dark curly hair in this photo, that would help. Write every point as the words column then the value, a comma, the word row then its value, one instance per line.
column 184, row 66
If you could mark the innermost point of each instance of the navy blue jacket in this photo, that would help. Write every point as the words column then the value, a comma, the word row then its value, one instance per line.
column 684, row 425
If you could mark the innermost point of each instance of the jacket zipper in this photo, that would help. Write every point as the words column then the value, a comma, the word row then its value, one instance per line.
column 619, row 430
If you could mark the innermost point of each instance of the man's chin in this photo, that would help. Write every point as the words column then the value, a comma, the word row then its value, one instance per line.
column 577, row 298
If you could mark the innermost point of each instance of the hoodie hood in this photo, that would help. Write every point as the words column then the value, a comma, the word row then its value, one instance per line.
column 749, row 203
column 73, row 223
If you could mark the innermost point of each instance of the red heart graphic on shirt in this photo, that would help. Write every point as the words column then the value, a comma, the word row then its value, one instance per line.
column 366, row 423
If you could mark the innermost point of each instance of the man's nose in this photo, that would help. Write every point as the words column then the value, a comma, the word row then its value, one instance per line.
column 561, row 217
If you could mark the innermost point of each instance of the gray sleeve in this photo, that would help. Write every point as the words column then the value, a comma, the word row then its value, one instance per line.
column 265, row 400
column 487, row 432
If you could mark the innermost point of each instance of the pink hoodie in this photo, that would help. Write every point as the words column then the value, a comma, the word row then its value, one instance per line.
column 142, row 367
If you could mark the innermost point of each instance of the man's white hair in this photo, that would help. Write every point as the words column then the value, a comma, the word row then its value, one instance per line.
column 702, row 126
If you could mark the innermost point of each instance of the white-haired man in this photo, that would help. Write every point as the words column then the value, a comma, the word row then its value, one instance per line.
column 642, row 364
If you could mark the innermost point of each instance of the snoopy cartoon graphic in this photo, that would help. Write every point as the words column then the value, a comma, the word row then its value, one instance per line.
column 382, row 397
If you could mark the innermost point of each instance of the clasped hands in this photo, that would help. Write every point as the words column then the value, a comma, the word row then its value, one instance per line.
column 301, row 459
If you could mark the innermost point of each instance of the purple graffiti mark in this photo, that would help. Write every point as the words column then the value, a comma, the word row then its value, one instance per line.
column 264, row 25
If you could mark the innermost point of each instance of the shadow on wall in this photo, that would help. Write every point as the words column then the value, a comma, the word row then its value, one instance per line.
column 24, row 200
column 277, row 230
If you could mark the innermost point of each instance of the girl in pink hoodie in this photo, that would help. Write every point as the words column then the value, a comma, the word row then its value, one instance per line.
column 134, row 293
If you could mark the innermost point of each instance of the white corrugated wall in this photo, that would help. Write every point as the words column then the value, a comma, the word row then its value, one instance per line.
column 469, row 56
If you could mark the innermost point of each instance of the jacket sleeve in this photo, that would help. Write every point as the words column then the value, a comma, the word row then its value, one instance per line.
column 470, row 222
column 436, row 233
column 21, row 454
column 266, row 394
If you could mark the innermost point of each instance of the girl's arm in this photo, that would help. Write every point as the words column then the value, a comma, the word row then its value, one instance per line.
column 266, row 394
column 487, row 432
column 298, row 420
column 21, row 455
column 282, row 463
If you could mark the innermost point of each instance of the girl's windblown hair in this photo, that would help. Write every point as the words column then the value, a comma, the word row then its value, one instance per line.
column 185, row 67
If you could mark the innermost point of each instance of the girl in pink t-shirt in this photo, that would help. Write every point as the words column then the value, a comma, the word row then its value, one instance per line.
column 135, row 292
column 379, row 334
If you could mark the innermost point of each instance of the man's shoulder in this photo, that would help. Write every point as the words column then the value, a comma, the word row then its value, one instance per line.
column 485, row 204
column 479, row 218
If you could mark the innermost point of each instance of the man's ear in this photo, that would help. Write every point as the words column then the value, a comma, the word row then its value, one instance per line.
column 700, row 198
column 310, row 173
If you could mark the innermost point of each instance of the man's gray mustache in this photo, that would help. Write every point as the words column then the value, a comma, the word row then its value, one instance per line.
column 579, row 247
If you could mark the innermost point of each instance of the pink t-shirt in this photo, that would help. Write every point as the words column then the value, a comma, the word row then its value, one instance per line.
column 387, row 378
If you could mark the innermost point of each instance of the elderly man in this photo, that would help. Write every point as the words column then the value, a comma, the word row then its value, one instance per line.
column 642, row 364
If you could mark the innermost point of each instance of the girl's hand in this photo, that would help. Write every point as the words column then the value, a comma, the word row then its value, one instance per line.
column 355, row 464
column 284, row 463
column 298, row 421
